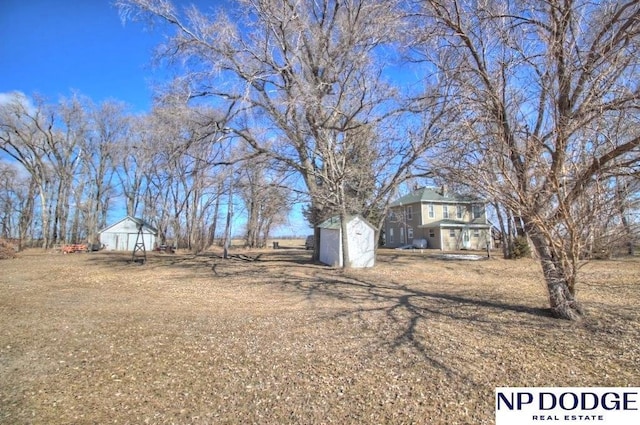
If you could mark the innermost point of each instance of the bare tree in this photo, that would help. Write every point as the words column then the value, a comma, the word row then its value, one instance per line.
column 266, row 196
column 108, row 129
column 64, row 138
column 17, row 199
column 132, row 159
column 8, row 193
column 302, row 77
column 627, row 200
column 539, row 88
column 189, row 149
column 24, row 130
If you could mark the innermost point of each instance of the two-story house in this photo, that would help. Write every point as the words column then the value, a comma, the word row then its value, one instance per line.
column 445, row 221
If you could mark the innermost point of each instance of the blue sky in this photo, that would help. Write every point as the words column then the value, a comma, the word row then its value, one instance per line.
column 52, row 47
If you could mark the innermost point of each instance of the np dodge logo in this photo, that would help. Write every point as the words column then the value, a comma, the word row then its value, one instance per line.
column 567, row 405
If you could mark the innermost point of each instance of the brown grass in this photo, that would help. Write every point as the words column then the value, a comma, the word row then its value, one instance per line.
column 93, row 338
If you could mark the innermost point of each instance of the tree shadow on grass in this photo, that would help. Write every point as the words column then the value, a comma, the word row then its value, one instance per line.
column 399, row 315
column 410, row 310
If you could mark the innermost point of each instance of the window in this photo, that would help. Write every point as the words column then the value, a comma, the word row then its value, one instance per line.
column 402, row 235
column 432, row 212
column 445, row 211
column 476, row 233
column 409, row 213
column 410, row 233
column 432, row 233
column 460, row 211
column 391, row 235
column 452, row 233
column 477, row 211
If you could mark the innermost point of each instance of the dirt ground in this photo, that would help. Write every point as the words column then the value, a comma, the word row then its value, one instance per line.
column 92, row 338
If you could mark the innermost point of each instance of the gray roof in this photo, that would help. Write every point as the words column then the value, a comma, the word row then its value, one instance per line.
column 334, row 222
column 429, row 194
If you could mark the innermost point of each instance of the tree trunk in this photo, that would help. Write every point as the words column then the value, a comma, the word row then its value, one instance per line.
column 214, row 223
column 227, row 227
column 621, row 203
column 344, row 234
column 561, row 300
column 560, row 281
column 503, row 232
column 26, row 214
column 45, row 214
column 252, row 222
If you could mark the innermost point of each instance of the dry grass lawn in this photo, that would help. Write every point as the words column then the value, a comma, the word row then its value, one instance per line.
column 94, row 338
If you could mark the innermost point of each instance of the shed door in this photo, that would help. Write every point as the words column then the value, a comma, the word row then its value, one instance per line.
column 123, row 240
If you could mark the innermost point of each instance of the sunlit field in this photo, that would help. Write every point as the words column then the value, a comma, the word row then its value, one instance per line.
column 268, row 337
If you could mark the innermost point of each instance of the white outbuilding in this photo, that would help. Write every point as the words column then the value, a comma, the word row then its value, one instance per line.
column 122, row 235
column 360, row 237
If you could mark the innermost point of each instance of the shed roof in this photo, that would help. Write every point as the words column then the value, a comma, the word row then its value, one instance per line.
column 334, row 222
column 136, row 220
column 429, row 194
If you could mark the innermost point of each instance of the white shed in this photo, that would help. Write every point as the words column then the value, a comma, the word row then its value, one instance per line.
column 122, row 235
column 360, row 237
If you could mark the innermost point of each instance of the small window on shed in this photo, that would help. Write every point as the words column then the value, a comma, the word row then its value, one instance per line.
column 452, row 233
column 432, row 233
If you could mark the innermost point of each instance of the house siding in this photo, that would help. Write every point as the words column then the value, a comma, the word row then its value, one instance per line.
column 456, row 243
column 436, row 229
column 452, row 243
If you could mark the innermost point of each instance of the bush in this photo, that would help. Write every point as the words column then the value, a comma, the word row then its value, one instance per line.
column 521, row 248
column 7, row 250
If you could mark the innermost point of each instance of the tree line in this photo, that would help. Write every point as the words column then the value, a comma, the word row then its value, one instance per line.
column 69, row 163
column 531, row 104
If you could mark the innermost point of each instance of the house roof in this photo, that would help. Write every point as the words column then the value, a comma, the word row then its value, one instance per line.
column 136, row 220
column 429, row 194
column 334, row 222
